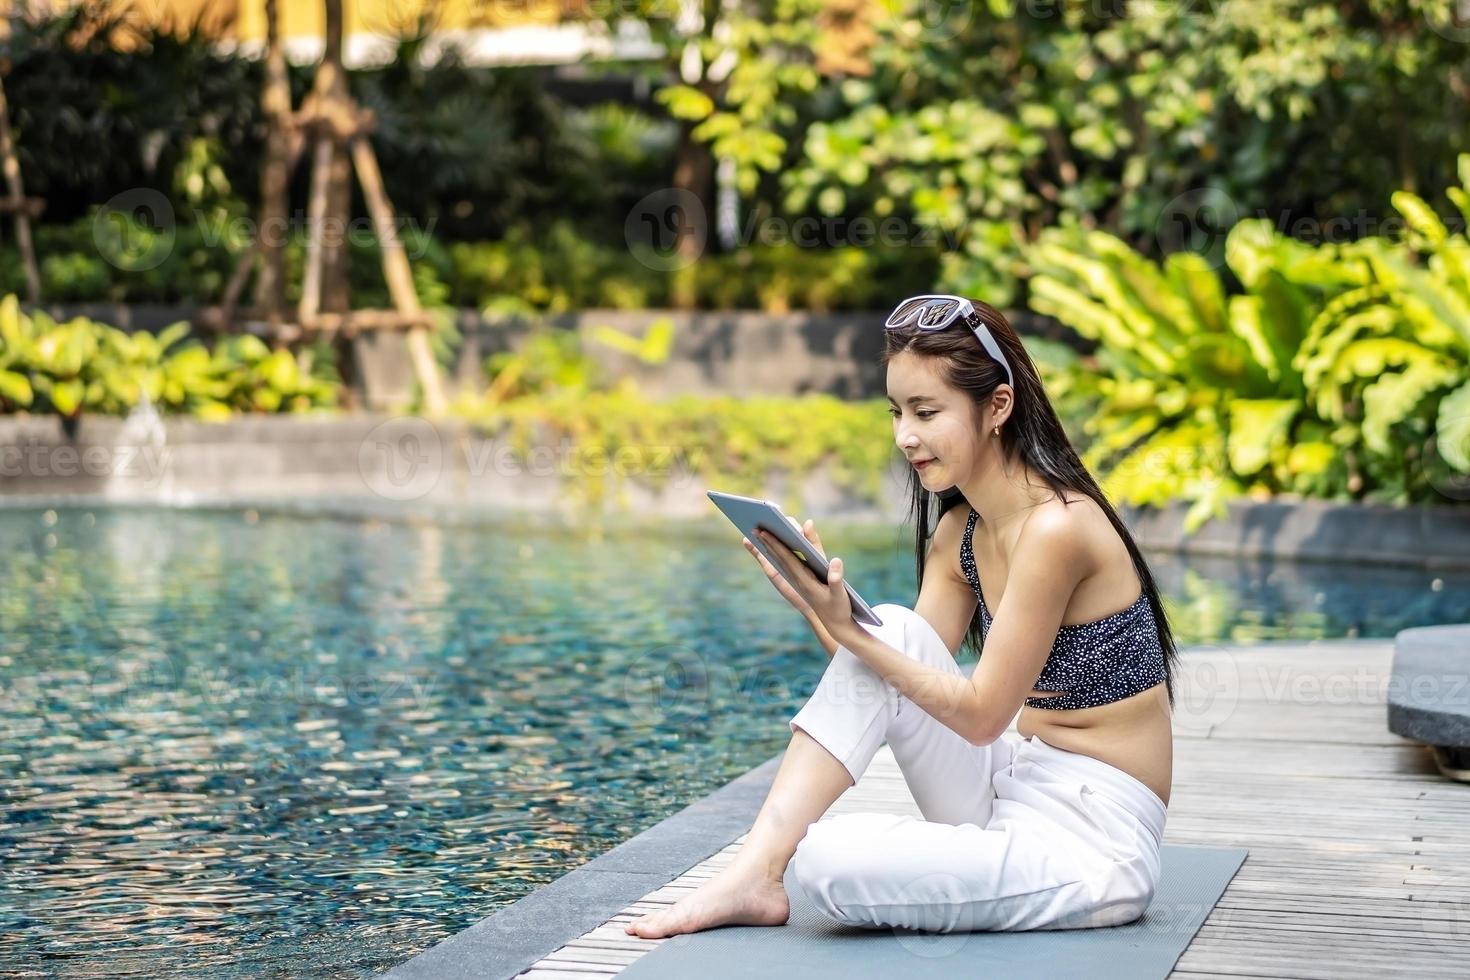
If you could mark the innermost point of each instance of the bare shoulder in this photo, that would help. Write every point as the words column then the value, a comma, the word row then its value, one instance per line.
column 1074, row 527
column 948, row 535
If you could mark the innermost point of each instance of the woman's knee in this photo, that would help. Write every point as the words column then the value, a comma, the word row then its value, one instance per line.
column 1127, row 903
column 824, row 863
column 904, row 629
column 832, row 848
column 897, row 626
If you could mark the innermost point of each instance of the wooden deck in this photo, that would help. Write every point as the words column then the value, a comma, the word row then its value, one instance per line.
column 1359, row 859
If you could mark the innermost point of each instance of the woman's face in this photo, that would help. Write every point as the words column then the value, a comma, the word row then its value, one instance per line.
column 932, row 421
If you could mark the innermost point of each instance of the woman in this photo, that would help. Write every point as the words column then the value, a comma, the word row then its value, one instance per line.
column 1056, row 825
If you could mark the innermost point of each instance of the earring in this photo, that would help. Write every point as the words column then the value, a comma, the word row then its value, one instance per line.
column 995, row 431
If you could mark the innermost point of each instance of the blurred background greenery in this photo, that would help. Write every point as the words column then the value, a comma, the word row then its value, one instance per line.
column 1249, row 214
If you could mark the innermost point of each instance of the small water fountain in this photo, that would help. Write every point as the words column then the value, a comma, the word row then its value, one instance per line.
column 141, row 465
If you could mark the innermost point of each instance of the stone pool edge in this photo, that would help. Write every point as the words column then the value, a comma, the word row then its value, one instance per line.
column 509, row 941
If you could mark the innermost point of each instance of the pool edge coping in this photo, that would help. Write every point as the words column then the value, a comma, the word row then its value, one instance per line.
column 512, row 939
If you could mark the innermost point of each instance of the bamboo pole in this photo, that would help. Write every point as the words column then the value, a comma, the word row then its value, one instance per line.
column 396, row 271
column 316, row 215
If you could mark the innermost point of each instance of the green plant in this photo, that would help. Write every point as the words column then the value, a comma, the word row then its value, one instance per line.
column 1196, row 392
column 84, row 366
column 1389, row 362
column 620, row 434
column 259, row 379
column 991, row 121
column 1331, row 373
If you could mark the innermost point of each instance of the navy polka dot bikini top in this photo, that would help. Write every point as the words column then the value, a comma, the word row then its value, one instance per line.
column 1093, row 663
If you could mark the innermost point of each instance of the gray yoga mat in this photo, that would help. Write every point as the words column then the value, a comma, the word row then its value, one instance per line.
column 811, row 945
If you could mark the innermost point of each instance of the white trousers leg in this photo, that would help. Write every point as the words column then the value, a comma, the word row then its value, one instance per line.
column 1016, row 835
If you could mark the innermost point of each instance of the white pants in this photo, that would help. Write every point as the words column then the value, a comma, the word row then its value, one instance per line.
column 1016, row 835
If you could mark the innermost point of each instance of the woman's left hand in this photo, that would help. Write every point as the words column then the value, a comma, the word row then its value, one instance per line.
column 829, row 601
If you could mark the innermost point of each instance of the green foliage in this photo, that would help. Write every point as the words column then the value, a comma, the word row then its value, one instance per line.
column 83, row 366
column 550, row 389
column 740, row 71
column 554, row 269
column 1326, row 374
column 468, row 153
column 102, row 104
column 736, row 443
column 1453, row 429
column 1010, row 118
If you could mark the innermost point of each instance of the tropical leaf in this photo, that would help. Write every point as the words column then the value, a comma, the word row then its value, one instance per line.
column 1452, row 427
column 1394, row 397
column 652, row 348
column 1258, row 427
column 1370, row 359
column 1310, row 459
column 686, row 102
column 1420, row 217
column 1193, row 278
column 1380, row 320
column 1246, row 321
column 67, row 396
column 16, row 387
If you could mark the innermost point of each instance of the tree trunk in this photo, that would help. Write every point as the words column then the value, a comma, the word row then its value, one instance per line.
column 18, row 197
column 332, row 98
column 331, row 85
column 693, row 172
column 275, row 175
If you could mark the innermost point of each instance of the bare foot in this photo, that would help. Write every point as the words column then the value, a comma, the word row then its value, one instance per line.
column 731, row 898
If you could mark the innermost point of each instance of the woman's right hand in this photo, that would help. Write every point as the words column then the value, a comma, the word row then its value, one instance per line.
column 809, row 531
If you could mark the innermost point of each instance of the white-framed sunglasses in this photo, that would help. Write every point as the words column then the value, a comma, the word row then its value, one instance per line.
column 935, row 312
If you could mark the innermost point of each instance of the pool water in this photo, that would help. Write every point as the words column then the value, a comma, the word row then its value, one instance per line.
column 265, row 744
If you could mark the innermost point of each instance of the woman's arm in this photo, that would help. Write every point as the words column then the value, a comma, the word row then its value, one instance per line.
column 828, row 642
column 1051, row 557
column 948, row 697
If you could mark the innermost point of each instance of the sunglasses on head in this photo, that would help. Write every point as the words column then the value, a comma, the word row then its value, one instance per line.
column 937, row 312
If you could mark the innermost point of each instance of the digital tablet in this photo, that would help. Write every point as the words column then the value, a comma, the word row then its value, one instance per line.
column 748, row 513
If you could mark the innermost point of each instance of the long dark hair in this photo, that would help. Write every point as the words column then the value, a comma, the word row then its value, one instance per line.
column 1033, row 434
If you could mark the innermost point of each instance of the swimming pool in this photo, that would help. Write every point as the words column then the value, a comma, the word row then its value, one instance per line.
column 257, row 743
